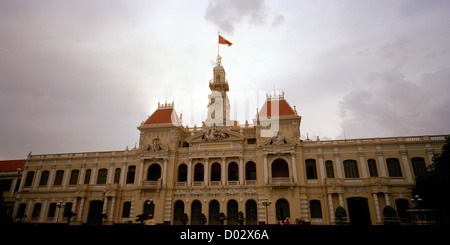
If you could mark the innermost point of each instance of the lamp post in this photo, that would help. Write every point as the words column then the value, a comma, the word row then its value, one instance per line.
column 150, row 202
column 266, row 202
column 59, row 205
column 417, row 202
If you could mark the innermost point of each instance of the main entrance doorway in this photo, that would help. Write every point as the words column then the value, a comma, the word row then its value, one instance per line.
column 358, row 211
column 95, row 216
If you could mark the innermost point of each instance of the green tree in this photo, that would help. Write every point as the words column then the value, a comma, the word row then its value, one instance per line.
column 433, row 186
column 340, row 215
column 390, row 216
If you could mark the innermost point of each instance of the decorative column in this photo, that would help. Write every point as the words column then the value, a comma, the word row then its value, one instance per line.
column 377, row 207
column 381, row 162
column 321, row 168
column 363, row 163
column 164, row 172
column 94, row 173
column 105, row 205
column 294, row 168
column 80, row 212
column 122, row 174
column 141, row 171
column 52, row 173
column 111, row 212
column 206, row 169
column 223, row 171
column 406, row 165
column 330, row 204
column 266, row 175
column 341, row 200
column 241, row 170
column 37, row 177
column 189, row 172
column 44, row 211
column 66, row 176
column 338, row 164
column 110, row 173
column 387, row 199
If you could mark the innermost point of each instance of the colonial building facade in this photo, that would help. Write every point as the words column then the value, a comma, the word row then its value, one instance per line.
column 262, row 169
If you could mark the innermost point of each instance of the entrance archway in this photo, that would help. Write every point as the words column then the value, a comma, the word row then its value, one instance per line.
column 95, row 216
column 282, row 207
column 232, row 212
column 178, row 213
column 251, row 212
column 196, row 211
column 214, row 209
column 358, row 211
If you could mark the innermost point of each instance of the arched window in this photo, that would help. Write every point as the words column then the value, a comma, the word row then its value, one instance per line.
column 154, row 172
column 198, row 172
column 351, row 169
column 215, row 171
column 282, row 208
column 394, row 167
column 233, row 171
column 126, row 209
column 280, row 168
column 316, row 209
column 250, row 171
column 329, row 168
column 74, row 177
column 311, row 170
column 101, row 177
column 29, row 179
column 44, row 178
column 418, row 165
column 182, row 173
column 36, row 210
column 372, row 164
column 59, row 177
column 130, row 174
column 117, row 175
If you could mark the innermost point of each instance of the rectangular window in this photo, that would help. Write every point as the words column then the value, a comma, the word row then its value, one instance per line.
column 351, row 169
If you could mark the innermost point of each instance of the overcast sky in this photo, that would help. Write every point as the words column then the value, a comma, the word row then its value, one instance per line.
column 81, row 75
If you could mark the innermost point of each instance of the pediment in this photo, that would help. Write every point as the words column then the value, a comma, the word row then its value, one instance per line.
column 213, row 134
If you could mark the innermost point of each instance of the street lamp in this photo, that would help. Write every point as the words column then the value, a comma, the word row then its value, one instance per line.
column 266, row 202
column 417, row 203
column 60, row 205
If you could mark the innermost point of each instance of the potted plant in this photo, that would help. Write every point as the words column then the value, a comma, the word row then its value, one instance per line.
column 340, row 215
column 240, row 218
column 202, row 219
column 185, row 219
column 222, row 218
column 390, row 216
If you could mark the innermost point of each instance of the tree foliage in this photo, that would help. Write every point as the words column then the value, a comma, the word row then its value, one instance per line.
column 433, row 186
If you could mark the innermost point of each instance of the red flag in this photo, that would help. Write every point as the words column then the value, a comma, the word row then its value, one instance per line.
column 224, row 41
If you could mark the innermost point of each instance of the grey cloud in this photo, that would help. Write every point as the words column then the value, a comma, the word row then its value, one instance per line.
column 387, row 104
column 226, row 14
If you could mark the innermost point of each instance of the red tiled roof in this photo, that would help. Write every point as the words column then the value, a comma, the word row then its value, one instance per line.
column 167, row 115
column 11, row 165
column 280, row 107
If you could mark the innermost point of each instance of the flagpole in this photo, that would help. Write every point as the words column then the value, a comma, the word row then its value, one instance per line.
column 218, row 34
